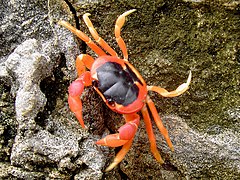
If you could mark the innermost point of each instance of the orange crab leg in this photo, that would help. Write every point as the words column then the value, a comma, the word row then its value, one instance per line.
column 95, row 35
column 120, row 155
column 82, row 61
column 151, row 135
column 83, row 37
column 158, row 122
column 119, row 24
column 124, row 137
column 180, row 89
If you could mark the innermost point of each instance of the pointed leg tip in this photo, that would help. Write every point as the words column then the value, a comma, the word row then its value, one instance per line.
column 132, row 10
column 108, row 169
column 63, row 23
column 189, row 76
column 83, row 126
column 161, row 161
column 111, row 166
column 100, row 142
column 87, row 14
column 128, row 12
column 60, row 21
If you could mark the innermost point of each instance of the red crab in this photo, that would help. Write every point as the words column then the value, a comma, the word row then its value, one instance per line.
column 121, row 87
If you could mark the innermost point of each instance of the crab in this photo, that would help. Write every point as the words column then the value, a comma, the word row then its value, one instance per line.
column 120, row 86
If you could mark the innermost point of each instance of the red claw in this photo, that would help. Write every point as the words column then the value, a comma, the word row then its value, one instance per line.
column 112, row 140
column 126, row 133
column 75, row 90
column 128, row 130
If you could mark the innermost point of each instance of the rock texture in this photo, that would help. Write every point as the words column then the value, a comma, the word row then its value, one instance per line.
column 41, row 139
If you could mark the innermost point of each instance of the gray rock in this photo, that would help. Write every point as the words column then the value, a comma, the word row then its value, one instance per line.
column 45, row 146
column 41, row 138
column 29, row 67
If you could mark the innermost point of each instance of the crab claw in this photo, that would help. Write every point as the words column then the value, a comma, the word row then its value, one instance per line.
column 124, row 138
column 75, row 90
column 126, row 132
column 74, row 101
column 112, row 140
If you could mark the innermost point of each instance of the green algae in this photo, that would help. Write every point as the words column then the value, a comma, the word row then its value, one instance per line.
column 182, row 36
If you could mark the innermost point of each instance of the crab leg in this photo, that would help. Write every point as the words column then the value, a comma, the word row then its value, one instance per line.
column 119, row 24
column 95, row 35
column 180, row 89
column 120, row 155
column 82, row 61
column 123, row 138
column 83, row 37
column 158, row 122
column 151, row 135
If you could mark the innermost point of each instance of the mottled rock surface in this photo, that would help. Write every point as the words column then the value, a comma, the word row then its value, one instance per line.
column 41, row 139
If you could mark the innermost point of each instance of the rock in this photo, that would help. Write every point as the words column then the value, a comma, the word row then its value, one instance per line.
column 194, row 152
column 41, row 139
column 43, row 145
column 29, row 66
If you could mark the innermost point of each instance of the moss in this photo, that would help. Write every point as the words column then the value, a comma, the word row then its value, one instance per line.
column 8, row 124
column 181, row 36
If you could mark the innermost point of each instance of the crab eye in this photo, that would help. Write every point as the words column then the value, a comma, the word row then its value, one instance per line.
column 95, row 83
column 111, row 103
